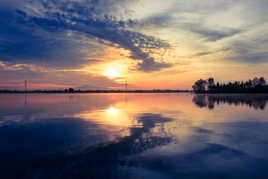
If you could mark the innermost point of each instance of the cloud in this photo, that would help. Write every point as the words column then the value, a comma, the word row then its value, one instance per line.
column 192, row 17
column 13, row 76
column 205, row 53
column 25, row 44
column 150, row 65
column 211, row 34
column 40, row 27
column 251, row 47
column 255, row 58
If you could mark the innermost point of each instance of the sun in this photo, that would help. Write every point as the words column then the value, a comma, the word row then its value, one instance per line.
column 115, row 70
column 112, row 73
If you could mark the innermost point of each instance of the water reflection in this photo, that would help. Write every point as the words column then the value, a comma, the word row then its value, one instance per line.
column 133, row 136
column 253, row 101
column 106, row 160
column 112, row 111
column 111, row 116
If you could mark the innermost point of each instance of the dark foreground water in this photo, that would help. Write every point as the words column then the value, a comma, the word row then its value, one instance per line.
column 133, row 136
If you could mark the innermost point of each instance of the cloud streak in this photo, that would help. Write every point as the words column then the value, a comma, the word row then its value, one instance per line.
column 55, row 17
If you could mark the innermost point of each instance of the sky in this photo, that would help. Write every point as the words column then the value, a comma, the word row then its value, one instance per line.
column 148, row 44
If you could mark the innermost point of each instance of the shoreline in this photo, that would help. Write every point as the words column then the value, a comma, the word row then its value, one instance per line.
column 124, row 91
column 93, row 91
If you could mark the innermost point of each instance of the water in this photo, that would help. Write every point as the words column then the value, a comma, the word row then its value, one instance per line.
column 133, row 136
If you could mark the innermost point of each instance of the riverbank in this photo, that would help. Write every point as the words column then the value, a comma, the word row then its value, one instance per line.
column 95, row 91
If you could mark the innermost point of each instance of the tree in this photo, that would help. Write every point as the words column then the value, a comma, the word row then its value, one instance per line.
column 255, row 82
column 200, row 85
column 251, row 86
column 262, row 81
column 71, row 90
column 211, row 83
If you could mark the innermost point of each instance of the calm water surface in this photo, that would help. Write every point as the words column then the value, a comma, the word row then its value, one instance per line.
column 133, row 136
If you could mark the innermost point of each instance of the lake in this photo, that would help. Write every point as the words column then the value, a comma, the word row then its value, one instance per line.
column 133, row 136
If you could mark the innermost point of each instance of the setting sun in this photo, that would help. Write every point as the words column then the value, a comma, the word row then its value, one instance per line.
column 112, row 74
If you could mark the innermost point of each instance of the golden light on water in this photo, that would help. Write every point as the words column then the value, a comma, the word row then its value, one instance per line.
column 116, row 116
column 113, row 116
column 112, row 110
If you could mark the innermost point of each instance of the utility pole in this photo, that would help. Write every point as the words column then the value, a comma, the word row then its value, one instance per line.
column 25, row 86
column 126, row 85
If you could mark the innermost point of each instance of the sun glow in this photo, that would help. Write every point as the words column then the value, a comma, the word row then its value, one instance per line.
column 112, row 73
column 115, row 70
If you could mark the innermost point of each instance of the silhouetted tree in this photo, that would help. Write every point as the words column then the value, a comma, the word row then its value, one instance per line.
column 262, row 81
column 71, row 90
column 257, row 85
column 200, row 85
column 210, row 83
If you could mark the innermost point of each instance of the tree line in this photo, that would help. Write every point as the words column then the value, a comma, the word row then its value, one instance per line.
column 255, row 85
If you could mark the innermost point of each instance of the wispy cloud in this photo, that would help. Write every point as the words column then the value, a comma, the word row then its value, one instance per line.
column 211, row 34
column 55, row 17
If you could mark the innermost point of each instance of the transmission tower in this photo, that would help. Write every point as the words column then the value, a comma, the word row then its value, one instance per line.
column 25, row 86
column 126, row 85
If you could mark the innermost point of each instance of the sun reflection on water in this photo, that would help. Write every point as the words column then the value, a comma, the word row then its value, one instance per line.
column 112, row 111
column 111, row 116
